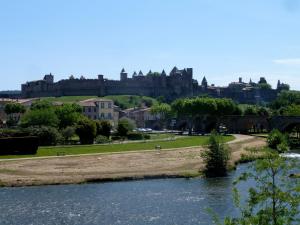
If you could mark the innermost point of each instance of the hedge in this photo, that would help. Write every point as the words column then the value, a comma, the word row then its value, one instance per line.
column 18, row 145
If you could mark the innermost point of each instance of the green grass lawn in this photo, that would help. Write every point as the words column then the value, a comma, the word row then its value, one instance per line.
column 88, row 149
column 161, row 136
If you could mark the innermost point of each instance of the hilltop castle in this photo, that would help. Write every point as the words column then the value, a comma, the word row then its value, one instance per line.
column 179, row 83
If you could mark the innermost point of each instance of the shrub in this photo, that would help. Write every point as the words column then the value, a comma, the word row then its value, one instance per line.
column 86, row 130
column 124, row 126
column 100, row 139
column 135, row 136
column 18, row 145
column 115, row 138
column 147, row 136
column 68, row 133
column 277, row 140
column 215, row 157
column 46, row 135
column 13, row 133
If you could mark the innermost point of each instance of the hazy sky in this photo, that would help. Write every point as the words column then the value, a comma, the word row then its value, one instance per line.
column 219, row 39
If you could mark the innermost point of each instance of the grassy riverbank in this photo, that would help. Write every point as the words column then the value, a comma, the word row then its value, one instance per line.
column 178, row 162
column 122, row 147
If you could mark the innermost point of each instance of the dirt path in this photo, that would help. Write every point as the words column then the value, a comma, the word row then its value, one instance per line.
column 78, row 169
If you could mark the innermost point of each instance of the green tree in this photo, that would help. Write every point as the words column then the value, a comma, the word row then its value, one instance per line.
column 163, row 110
column 68, row 114
column 86, row 130
column 275, row 197
column 103, row 128
column 41, row 105
column 40, row 117
column 47, row 135
column 13, row 110
column 286, row 98
column 250, row 110
column 278, row 141
column 202, row 107
column 227, row 106
column 262, row 111
column 291, row 110
column 216, row 157
column 125, row 125
column 68, row 133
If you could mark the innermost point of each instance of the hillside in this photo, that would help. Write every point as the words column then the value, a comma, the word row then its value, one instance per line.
column 130, row 101
column 123, row 101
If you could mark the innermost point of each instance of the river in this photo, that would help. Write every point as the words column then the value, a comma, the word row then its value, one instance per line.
column 158, row 201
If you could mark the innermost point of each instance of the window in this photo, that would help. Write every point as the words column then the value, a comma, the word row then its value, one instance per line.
column 102, row 115
column 109, row 115
column 95, row 117
column 95, row 109
column 90, row 109
column 102, row 105
column 109, row 105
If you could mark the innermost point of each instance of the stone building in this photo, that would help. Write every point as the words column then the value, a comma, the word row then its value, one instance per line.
column 100, row 109
column 142, row 117
column 178, row 83
column 3, row 101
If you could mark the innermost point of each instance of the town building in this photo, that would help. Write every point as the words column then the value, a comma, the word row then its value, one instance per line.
column 143, row 117
column 100, row 109
column 3, row 101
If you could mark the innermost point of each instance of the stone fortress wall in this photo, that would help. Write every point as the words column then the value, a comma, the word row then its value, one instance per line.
column 177, row 84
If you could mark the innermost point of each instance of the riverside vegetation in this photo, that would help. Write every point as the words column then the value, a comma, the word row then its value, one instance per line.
column 275, row 197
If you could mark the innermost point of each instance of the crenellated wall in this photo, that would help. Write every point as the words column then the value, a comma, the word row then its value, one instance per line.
column 179, row 83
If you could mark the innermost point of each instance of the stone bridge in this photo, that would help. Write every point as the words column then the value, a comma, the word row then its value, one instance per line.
column 284, row 123
column 256, row 124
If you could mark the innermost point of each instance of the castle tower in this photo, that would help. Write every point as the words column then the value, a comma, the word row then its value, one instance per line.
column 262, row 80
column 204, row 82
column 189, row 73
column 278, row 84
column 163, row 76
column 134, row 74
column 49, row 78
column 123, row 75
column 141, row 73
column 173, row 71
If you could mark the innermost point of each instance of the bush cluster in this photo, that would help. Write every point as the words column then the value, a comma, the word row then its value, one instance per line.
column 278, row 141
column 18, row 145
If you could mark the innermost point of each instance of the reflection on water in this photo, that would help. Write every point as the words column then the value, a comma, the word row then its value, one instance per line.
column 164, row 201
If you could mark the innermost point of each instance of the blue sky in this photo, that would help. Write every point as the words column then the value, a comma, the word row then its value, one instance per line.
column 219, row 39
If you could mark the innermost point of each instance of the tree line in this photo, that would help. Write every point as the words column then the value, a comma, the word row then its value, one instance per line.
column 60, row 124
